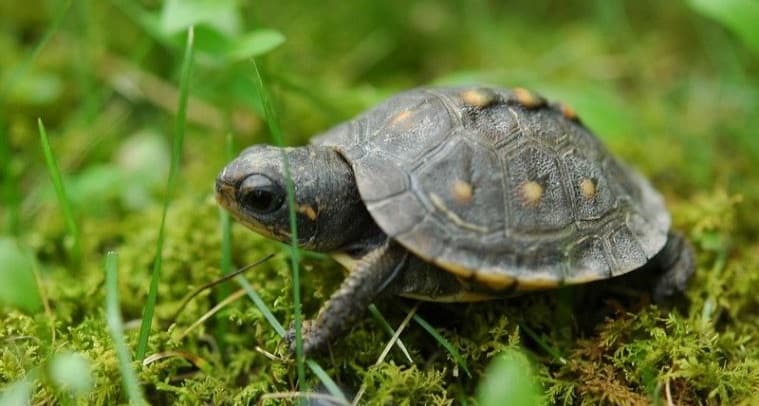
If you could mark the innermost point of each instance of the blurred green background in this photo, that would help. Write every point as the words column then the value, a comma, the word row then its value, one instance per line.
column 671, row 87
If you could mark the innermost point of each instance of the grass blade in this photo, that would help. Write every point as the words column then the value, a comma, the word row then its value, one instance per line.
column 60, row 191
column 396, row 336
column 381, row 319
column 268, row 315
column 328, row 383
column 445, row 343
column 276, row 132
column 216, row 282
column 176, row 152
column 542, row 343
column 10, row 189
column 116, row 328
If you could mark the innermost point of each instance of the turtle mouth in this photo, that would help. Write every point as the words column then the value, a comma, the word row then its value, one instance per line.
column 226, row 198
column 225, row 194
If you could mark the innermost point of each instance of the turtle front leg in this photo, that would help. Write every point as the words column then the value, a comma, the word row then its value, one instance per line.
column 676, row 262
column 373, row 274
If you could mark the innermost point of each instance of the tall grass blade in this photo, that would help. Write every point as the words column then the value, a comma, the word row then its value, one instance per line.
column 268, row 315
column 7, row 83
column 276, row 132
column 325, row 379
column 176, row 152
column 60, row 191
column 542, row 343
column 445, row 343
column 381, row 319
column 116, row 329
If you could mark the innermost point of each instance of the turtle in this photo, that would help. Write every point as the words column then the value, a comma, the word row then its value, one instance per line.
column 457, row 194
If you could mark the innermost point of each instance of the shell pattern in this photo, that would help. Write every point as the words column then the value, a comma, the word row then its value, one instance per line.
column 500, row 187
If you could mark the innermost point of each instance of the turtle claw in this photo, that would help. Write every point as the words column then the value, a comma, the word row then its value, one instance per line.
column 306, row 332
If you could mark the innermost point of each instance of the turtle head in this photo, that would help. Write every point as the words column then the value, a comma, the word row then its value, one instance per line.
column 253, row 187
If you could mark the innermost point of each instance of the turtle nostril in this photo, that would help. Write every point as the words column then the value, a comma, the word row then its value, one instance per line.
column 224, row 191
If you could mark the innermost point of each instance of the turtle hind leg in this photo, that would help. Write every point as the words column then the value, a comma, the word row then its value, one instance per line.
column 373, row 274
column 676, row 263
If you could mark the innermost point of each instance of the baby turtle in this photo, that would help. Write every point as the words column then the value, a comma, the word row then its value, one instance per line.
column 457, row 194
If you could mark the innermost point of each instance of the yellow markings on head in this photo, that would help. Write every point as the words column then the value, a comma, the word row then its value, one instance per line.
column 588, row 188
column 478, row 97
column 527, row 98
column 308, row 211
column 401, row 117
column 531, row 193
column 568, row 112
column 462, row 192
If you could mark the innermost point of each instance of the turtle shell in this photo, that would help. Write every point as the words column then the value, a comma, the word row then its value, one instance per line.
column 500, row 187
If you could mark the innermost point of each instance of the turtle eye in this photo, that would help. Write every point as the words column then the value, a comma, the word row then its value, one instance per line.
column 260, row 194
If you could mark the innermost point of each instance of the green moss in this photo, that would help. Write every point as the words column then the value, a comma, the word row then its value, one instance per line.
column 676, row 98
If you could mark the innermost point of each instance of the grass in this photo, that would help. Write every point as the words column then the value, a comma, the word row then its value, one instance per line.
column 329, row 384
column 176, row 153
column 116, row 329
column 276, row 133
column 443, row 342
column 670, row 90
column 60, row 191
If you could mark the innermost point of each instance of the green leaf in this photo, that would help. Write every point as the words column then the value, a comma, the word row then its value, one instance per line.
column 509, row 380
column 18, row 287
column 254, row 43
column 211, row 42
column 222, row 15
column 71, row 371
column 740, row 16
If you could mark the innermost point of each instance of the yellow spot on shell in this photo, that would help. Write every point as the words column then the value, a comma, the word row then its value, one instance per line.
column 588, row 188
column 568, row 112
column 527, row 98
column 400, row 117
column 478, row 97
column 307, row 210
column 462, row 192
column 531, row 193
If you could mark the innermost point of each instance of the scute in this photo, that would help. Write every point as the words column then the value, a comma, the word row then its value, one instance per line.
column 462, row 181
column 547, row 207
column 501, row 188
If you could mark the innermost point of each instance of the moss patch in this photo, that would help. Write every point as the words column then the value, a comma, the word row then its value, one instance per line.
column 668, row 91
